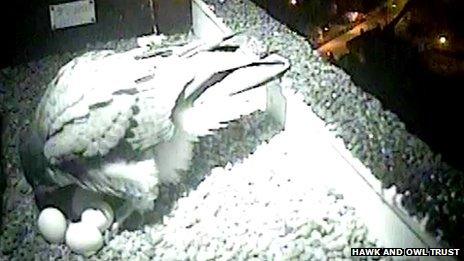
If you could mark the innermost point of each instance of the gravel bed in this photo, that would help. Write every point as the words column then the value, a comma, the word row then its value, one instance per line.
column 429, row 188
column 233, row 215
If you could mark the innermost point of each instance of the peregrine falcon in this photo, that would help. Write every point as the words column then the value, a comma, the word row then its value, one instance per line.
column 112, row 123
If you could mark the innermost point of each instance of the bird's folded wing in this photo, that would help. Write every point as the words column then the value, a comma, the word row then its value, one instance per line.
column 88, row 106
column 86, row 81
column 94, row 134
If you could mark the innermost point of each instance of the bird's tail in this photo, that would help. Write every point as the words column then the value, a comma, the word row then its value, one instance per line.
column 230, row 94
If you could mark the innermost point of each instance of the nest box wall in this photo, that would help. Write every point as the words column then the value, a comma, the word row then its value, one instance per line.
column 32, row 27
column 173, row 16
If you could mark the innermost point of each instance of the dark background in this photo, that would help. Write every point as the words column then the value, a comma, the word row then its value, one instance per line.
column 25, row 25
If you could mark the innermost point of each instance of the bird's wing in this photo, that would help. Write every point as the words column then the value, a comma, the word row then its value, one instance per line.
column 87, row 107
column 86, row 81
column 154, row 106
column 95, row 133
column 99, row 112
column 62, row 94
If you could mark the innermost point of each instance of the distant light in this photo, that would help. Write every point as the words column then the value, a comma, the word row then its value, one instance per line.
column 294, row 2
column 326, row 28
column 394, row 5
column 442, row 39
column 352, row 16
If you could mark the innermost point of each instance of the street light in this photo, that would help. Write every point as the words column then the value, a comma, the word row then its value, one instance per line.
column 294, row 2
column 442, row 40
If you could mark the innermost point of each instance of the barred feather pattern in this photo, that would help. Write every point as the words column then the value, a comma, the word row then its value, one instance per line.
column 61, row 101
column 94, row 134
column 155, row 104
column 96, row 103
column 119, row 124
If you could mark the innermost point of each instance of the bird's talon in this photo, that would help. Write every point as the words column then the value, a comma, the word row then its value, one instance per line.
column 114, row 230
column 107, row 237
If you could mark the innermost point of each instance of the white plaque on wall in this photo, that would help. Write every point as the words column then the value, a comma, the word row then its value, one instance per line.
column 72, row 14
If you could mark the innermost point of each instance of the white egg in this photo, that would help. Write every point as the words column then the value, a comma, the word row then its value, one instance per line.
column 92, row 209
column 52, row 225
column 84, row 239
column 97, row 218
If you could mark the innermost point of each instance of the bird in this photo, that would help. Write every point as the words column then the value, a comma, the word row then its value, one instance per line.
column 115, row 123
